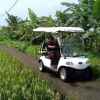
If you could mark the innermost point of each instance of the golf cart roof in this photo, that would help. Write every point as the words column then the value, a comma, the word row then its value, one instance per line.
column 59, row 29
column 46, row 29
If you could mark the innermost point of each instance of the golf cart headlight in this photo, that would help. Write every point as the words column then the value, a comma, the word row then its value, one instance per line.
column 69, row 63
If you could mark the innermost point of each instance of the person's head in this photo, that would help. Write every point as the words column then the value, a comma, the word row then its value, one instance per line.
column 50, row 37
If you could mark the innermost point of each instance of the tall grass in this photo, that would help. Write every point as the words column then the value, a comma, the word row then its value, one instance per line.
column 95, row 64
column 18, row 82
column 23, row 46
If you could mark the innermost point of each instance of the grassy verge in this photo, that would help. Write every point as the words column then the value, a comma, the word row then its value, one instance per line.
column 22, row 46
column 18, row 82
column 95, row 64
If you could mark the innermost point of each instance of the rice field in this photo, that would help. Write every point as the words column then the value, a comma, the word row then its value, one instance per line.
column 18, row 82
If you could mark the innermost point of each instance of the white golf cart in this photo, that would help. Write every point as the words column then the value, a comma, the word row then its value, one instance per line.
column 68, row 64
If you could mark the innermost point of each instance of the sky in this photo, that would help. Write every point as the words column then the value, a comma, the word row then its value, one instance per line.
column 40, row 7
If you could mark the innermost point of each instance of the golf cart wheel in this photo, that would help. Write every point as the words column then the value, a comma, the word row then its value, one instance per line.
column 63, row 72
column 41, row 67
column 88, row 73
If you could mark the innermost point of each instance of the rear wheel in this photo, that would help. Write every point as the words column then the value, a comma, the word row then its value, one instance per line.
column 63, row 72
column 41, row 67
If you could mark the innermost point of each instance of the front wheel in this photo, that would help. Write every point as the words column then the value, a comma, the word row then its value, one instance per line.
column 88, row 74
column 63, row 74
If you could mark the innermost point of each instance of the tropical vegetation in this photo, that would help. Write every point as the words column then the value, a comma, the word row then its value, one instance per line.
column 18, row 82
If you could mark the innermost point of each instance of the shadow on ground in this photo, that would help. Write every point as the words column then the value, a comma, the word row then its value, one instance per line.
column 73, row 78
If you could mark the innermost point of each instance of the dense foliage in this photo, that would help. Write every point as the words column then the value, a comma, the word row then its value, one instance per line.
column 83, row 14
column 18, row 82
column 97, row 9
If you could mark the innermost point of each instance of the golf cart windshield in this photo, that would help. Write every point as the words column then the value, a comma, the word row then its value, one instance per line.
column 67, row 50
column 70, row 49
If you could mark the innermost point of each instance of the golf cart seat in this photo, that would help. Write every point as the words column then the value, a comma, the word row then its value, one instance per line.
column 54, row 56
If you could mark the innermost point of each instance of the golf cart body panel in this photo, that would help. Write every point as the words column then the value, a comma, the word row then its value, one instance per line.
column 74, row 63
column 46, row 61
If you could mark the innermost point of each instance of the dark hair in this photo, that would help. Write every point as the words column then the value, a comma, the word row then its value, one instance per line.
column 50, row 37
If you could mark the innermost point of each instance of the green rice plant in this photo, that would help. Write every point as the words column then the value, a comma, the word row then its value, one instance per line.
column 18, row 82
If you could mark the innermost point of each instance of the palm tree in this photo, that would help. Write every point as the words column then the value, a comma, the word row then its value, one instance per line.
column 46, row 21
column 78, row 14
column 33, row 18
column 61, row 18
column 13, row 21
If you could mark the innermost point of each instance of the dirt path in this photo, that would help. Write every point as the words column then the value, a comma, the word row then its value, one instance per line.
column 78, row 91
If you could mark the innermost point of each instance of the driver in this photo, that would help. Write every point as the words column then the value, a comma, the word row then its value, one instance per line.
column 53, row 49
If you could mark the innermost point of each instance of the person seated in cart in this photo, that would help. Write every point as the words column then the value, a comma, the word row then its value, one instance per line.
column 53, row 49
